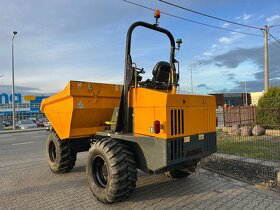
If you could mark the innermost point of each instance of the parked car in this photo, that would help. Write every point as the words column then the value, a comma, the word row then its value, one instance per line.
column 33, row 119
column 10, row 121
column 25, row 124
column 6, row 124
column 39, row 123
column 46, row 124
column 43, row 122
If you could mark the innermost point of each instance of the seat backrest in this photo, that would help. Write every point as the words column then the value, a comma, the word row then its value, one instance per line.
column 161, row 72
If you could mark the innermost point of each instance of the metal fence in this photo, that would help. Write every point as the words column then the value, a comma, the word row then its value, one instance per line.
column 241, row 115
column 242, row 154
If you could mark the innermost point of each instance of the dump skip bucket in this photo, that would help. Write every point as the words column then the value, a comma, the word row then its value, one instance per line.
column 82, row 108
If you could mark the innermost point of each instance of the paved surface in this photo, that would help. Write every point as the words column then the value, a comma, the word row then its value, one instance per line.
column 27, row 183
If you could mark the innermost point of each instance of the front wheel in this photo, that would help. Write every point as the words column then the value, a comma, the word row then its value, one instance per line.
column 111, row 171
column 59, row 155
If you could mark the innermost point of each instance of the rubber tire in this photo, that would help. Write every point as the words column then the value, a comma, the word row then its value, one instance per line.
column 64, row 159
column 122, row 172
column 131, row 169
column 177, row 174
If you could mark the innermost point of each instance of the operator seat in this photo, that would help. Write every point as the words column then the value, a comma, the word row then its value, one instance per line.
column 161, row 73
column 160, row 78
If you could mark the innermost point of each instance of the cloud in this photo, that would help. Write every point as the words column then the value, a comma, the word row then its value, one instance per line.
column 207, row 53
column 225, row 40
column 63, row 39
column 204, row 86
column 229, row 40
column 246, row 17
column 18, row 89
column 231, row 76
column 252, row 86
column 273, row 19
column 237, row 18
column 233, row 58
column 214, row 46
column 225, row 25
column 212, row 51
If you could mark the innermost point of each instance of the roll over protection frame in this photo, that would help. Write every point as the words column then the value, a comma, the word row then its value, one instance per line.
column 123, row 116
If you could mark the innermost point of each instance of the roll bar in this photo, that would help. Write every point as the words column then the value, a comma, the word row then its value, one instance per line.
column 123, row 117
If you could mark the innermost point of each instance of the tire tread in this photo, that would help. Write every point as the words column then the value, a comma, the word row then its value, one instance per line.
column 67, row 159
column 123, row 170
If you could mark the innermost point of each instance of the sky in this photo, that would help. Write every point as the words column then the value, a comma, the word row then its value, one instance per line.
column 62, row 40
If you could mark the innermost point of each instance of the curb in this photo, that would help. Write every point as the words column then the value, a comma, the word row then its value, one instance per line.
column 22, row 131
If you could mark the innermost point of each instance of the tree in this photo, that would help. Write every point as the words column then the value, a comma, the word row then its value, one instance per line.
column 268, row 108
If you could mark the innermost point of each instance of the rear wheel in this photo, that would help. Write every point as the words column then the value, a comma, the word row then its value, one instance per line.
column 111, row 171
column 59, row 155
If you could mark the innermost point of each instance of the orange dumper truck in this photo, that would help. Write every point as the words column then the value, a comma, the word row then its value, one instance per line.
column 140, row 125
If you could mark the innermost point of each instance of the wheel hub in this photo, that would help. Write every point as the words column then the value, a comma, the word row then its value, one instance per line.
column 52, row 152
column 100, row 172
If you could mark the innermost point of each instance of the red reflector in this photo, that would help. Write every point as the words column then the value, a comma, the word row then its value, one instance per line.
column 156, row 126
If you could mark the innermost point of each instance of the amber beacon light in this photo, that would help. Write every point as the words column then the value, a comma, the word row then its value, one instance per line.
column 157, row 15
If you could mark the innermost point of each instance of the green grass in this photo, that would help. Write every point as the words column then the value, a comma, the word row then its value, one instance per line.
column 263, row 147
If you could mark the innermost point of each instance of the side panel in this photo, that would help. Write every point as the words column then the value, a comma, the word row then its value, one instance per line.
column 82, row 108
column 200, row 120
column 179, row 115
column 59, row 113
column 143, row 120
column 159, row 155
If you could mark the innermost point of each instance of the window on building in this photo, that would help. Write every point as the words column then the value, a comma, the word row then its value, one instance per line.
column 35, row 105
column 24, row 105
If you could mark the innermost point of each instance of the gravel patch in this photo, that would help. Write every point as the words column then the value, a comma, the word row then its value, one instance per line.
column 250, row 172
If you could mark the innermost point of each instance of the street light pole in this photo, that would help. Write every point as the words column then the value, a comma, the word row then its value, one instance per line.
column 13, row 81
column 193, row 65
column 246, row 95
column 191, row 81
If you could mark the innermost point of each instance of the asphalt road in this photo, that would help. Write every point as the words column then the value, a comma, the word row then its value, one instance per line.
column 27, row 183
column 22, row 147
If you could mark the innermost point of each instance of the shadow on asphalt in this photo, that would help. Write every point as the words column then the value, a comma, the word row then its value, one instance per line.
column 151, row 187
column 78, row 169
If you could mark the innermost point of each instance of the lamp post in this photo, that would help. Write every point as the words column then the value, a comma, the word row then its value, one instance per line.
column 13, row 81
column 192, row 66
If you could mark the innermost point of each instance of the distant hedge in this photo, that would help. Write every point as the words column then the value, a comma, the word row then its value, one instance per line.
column 268, row 109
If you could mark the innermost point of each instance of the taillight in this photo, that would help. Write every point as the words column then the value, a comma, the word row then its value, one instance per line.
column 156, row 126
column 216, row 121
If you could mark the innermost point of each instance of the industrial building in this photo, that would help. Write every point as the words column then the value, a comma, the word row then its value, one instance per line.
column 237, row 99
column 26, row 106
column 255, row 97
